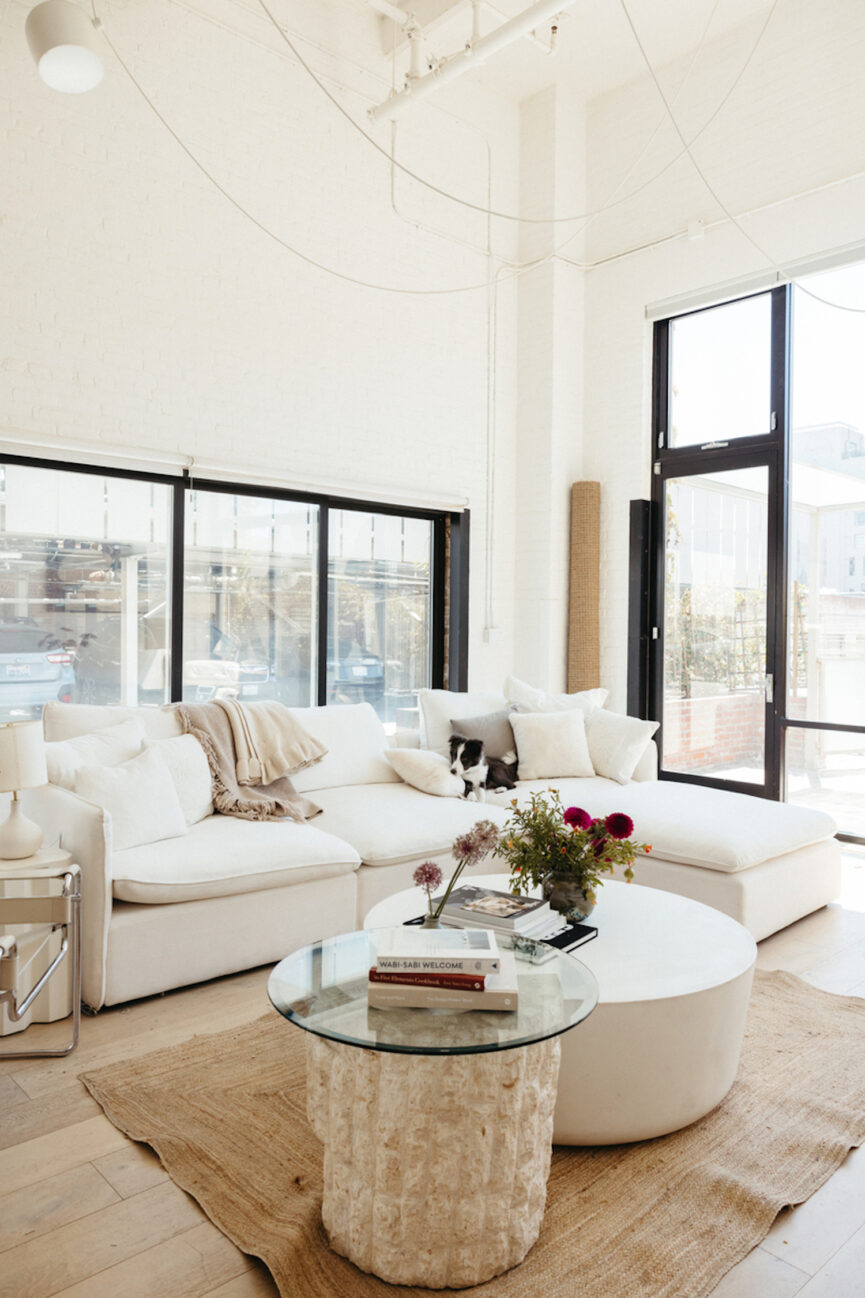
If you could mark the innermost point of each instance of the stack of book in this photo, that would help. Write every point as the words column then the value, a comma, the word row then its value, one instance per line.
column 420, row 968
column 512, row 916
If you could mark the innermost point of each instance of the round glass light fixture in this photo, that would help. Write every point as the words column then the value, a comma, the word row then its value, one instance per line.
column 65, row 46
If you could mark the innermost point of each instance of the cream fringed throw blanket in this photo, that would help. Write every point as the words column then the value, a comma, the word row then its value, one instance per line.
column 268, row 741
column 275, row 800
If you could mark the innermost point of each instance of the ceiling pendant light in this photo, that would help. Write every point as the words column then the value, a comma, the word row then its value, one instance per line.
column 65, row 46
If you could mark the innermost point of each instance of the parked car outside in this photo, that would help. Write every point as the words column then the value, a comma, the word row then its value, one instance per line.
column 357, row 676
column 35, row 668
column 226, row 673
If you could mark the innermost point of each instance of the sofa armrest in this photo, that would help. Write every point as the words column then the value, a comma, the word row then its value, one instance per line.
column 84, row 831
column 647, row 766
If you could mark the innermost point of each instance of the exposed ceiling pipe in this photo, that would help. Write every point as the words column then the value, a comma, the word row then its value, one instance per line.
column 475, row 52
column 388, row 10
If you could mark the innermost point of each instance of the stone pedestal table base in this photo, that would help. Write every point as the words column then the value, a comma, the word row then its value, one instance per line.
column 435, row 1166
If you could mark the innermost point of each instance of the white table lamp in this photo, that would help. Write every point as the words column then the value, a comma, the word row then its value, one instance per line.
column 22, row 766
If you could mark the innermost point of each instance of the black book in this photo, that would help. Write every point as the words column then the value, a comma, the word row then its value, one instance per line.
column 573, row 936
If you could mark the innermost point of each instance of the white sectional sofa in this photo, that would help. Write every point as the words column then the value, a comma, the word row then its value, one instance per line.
column 231, row 894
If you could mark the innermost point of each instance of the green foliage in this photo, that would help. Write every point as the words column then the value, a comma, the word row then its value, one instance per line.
column 536, row 841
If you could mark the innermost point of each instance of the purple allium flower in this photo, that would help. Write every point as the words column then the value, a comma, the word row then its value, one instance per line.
column 476, row 844
column 428, row 876
column 618, row 825
column 577, row 818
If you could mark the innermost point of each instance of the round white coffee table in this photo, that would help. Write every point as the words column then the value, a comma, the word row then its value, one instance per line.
column 662, row 1048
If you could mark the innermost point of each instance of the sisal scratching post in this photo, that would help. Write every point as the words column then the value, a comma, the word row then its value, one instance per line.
column 584, row 646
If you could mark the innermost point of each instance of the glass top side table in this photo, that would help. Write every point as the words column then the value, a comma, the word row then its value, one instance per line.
column 322, row 988
column 436, row 1125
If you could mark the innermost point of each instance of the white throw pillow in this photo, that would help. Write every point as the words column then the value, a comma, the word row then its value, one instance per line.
column 107, row 747
column 617, row 742
column 190, row 772
column 356, row 744
column 440, row 708
column 427, row 771
column 552, row 744
column 526, row 698
column 139, row 796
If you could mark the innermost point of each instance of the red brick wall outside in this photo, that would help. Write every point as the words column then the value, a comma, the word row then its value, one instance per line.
column 702, row 734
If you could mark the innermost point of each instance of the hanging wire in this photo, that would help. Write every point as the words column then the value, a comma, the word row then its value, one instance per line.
column 516, row 269
column 479, row 207
column 776, row 266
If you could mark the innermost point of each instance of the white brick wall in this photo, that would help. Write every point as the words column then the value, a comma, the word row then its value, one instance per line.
column 549, row 449
column 142, row 313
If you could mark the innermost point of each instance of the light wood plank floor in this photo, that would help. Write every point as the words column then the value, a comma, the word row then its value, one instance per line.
column 86, row 1213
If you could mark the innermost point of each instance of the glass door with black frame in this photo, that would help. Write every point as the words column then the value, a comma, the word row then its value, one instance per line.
column 714, row 617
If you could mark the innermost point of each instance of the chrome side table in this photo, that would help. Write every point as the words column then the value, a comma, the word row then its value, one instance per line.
column 40, row 947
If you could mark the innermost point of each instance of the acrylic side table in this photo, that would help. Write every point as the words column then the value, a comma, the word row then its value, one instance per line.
column 40, row 947
column 437, row 1126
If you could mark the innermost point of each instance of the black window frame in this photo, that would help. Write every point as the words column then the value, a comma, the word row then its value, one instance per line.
column 646, row 655
column 449, row 562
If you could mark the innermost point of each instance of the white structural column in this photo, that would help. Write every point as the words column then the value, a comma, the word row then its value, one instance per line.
column 550, row 381
column 435, row 1166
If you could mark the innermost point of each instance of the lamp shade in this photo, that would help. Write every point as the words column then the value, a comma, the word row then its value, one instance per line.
column 22, row 756
column 65, row 46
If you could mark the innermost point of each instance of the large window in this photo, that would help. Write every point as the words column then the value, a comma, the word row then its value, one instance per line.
column 118, row 588
column 825, row 763
column 757, row 659
column 250, row 583
column 379, row 602
column 84, row 562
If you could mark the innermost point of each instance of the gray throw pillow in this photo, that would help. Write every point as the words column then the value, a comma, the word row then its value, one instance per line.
column 494, row 729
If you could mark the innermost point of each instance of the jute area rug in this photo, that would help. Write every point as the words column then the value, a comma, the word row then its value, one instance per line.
column 227, row 1116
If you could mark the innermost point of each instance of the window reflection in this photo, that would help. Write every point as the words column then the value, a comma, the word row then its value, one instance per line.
column 379, row 601
column 83, row 590
column 250, row 598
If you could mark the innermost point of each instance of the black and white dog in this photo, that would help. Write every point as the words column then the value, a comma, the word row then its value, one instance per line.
column 479, row 772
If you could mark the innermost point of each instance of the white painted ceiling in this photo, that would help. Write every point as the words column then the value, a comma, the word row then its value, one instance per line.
column 596, row 48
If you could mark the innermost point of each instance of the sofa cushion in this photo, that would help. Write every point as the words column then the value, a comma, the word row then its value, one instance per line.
column 617, row 742
column 494, row 731
column 356, row 744
column 598, row 796
column 427, row 771
column 190, row 771
column 690, row 825
column 140, row 797
column 527, row 698
column 551, row 744
column 715, row 828
column 387, row 823
column 106, row 747
column 440, row 709
column 222, row 856
column 65, row 720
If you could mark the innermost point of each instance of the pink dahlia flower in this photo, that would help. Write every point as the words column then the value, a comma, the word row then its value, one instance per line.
column 618, row 825
column 577, row 818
